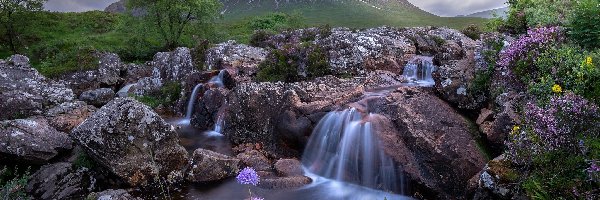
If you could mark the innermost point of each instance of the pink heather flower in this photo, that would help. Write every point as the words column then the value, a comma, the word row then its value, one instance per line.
column 529, row 43
column 248, row 177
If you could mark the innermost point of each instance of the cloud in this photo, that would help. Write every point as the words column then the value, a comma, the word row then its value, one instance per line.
column 77, row 5
column 457, row 7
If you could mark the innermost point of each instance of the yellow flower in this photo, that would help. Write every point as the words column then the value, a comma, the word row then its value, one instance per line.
column 516, row 128
column 588, row 60
column 556, row 88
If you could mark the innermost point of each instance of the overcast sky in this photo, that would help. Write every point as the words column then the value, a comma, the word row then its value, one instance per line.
column 438, row 7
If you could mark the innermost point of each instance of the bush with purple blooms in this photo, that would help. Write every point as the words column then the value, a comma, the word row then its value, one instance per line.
column 558, row 146
column 248, row 176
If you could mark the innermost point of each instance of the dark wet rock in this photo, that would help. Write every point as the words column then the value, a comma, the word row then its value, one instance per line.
column 31, row 140
column 429, row 140
column 357, row 53
column 497, row 127
column 282, row 115
column 66, row 116
column 496, row 181
column 206, row 111
column 25, row 92
column 255, row 159
column 98, row 97
column 133, row 142
column 207, row 165
column 175, row 65
column 288, row 167
column 284, row 182
column 61, row 181
column 111, row 194
column 241, row 59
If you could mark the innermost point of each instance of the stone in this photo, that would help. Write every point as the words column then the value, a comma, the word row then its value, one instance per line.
column 284, row 182
column 107, row 75
column 175, row 65
column 207, row 166
column 242, row 59
column 255, row 159
column 484, row 115
column 288, row 167
column 98, row 97
column 61, row 181
column 66, row 116
column 133, row 142
column 111, row 194
column 31, row 141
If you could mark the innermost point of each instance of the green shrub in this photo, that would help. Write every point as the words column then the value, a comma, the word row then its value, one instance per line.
column 167, row 96
column 199, row 54
column 318, row 63
column 472, row 31
column 83, row 160
column 259, row 38
column 71, row 59
column 584, row 24
column 13, row 183
column 294, row 63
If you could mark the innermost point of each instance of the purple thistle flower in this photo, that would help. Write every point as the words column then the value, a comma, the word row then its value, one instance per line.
column 248, row 177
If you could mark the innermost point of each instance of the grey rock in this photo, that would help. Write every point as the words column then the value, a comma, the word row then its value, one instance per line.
column 207, row 165
column 284, row 182
column 66, row 116
column 61, row 181
column 108, row 74
column 255, row 159
column 241, row 58
column 133, row 142
column 288, row 167
column 174, row 66
column 111, row 194
column 31, row 140
column 98, row 97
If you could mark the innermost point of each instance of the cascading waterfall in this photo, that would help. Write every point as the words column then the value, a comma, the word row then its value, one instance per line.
column 218, row 80
column 418, row 71
column 190, row 106
column 343, row 147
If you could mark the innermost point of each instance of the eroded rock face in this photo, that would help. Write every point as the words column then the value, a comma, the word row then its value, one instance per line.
column 429, row 140
column 98, row 97
column 174, row 66
column 25, row 92
column 66, row 116
column 207, row 165
column 133, row 142
column 31, row 140
column 61, row 181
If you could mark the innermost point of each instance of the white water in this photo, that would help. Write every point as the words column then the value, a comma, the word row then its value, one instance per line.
column 418, row 71
column 124, row 92
column 344, row 148
column 191, row 102
column 218, row 80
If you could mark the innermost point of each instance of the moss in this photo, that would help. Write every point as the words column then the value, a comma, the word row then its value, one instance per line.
column 438, row 40
column 13, row 183
column 284, row 64
column 472, row 31
column 167, row 96
column 83, row 160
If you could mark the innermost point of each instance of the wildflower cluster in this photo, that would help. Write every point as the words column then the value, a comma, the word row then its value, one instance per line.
column 248, row 176
column 556, row 88
column 530, row 45
column 555, row 126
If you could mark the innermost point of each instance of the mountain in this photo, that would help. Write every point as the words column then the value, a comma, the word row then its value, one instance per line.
column 348, row 13
column 501, row 12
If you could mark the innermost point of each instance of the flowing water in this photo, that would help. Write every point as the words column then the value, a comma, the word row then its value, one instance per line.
column 418, row 71
column 190, row 106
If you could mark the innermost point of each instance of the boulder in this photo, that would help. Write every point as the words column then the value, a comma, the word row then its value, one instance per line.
column 66, row 116
column 61, row 181
column 207, row 166
column 98, row 97
column 174, row 66
column 288, row 167
column 206, row 110
column 31, row 140
column 133, row 142
column 107, row 74
column 243, row 60
column 279, row 183
column 431, row 142
column 111, row 194
column 25, row 92
column 255, row 159
column 496, row 181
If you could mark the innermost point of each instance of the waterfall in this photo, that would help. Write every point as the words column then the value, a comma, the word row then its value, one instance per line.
column 343, row 147
column 219, row 124
column 190, row 106
column 124, row 92
column 218, row 80
column 418, row 71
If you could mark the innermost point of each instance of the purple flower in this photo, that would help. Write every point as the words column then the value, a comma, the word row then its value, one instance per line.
column 248, row 177
column 594, row 168
column 257, row 198
column 528, row 44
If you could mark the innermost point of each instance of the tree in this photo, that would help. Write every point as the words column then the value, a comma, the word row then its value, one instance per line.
column 171, row 17
column 12, row 16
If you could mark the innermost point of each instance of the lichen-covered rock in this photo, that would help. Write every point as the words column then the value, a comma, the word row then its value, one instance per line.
column 66, row 116
column 98, row 97
column 111, row 194
column 174, row 66
column 207, row 165
column 497, row 127
column 243, row 59
column 25, row 92
column 357, row 53
column 31, row 140
column 133, row 142
column 61, row 181
column 288, row 167
column 496, row 181
column 108, row 74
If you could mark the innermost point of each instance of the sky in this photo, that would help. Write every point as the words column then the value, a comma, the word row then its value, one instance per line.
column 437, row 7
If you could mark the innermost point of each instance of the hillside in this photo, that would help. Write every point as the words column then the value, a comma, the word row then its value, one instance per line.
column 501, row 12
column 348, row 13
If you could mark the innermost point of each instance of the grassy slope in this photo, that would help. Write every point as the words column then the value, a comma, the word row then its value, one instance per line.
column 352, row 14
